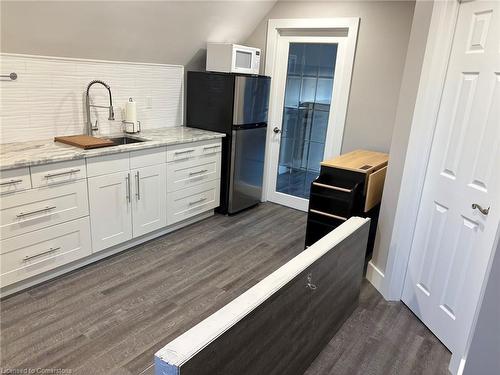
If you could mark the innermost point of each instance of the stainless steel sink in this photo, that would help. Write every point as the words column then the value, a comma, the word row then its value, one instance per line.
column 125, row 140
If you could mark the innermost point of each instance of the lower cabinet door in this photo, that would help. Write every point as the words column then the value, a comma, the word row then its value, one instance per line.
column 149, row 199
column 36, row 252
column 110, row 209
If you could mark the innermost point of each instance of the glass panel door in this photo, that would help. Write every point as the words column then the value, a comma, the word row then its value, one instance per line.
column 306, row 110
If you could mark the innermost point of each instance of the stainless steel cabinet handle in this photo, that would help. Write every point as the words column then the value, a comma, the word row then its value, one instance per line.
column 138, row 182
column 127, row 187
column 183, row 152
column 198, row 172
column 11, row 182
column 51, row 250
column 23, row 214
column 197, row 201
column 484, row 211
column 50, row 175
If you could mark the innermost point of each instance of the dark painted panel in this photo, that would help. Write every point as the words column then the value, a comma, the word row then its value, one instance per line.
column 286, row 332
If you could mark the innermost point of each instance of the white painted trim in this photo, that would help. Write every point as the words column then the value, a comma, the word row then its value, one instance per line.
column 374, row 275
column 87, row 60
column 49, row 275
column 439, row 42
column 351, row 24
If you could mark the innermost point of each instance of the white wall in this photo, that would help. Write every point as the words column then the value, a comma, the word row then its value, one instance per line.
column 402, row 127
column 47, row 99
column 380, row 56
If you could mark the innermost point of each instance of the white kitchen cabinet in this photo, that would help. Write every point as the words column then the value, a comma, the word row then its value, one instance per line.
column 36, row 252
column 110, row 198
column 58, row 173
column 195, row 171
column 192, row 201
column 149, row 199
column 34, row 209
column 15, row 180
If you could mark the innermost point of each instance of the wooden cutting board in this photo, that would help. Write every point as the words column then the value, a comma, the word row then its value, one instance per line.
column 84, row 141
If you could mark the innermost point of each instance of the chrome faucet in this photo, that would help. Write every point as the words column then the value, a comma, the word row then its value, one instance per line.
column 90, row 127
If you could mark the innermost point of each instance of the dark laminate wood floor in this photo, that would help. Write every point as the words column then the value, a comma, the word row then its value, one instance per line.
column 111, row 317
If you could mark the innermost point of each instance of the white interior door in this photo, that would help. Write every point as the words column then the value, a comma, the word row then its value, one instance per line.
column 453, row 239
column 307, row 119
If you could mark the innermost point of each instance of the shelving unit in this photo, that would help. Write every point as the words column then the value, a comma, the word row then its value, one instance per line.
column 349, row 185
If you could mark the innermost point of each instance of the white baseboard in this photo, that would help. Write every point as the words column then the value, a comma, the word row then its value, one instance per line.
column 457, row 364
column 375, row 277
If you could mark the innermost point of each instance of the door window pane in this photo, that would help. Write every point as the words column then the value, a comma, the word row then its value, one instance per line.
column 308, row 95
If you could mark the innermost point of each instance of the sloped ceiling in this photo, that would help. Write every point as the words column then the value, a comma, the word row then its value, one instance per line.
column 173, row 32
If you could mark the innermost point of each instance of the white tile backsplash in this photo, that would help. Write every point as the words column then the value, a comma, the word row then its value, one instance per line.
column 48, row 98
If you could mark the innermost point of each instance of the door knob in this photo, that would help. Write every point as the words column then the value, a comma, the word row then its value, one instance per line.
column 276, row 130
column 484, row 211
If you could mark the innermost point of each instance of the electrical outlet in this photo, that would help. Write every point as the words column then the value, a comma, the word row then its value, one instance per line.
column 149, row 102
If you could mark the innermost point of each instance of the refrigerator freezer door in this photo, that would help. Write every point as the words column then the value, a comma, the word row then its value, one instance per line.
column 247, row 168
column 251, row 99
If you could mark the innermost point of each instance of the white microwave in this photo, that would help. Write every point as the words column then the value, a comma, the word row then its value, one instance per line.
column 232, row 58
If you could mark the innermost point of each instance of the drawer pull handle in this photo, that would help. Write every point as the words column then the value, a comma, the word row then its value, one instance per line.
column 50, row 175
column 183, row 152
column 211, row 147
column 198, row 172
column 11, row 182
column 51, row 250
column 329, row 215
column 23, row 214
column 197, row 201
column 332, row 187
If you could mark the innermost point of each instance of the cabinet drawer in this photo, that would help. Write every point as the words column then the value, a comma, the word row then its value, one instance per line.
column 14, row 180
column 145, row 158
column 191, row 150
column 39, row 208
column 56, row 173
column 107, row 164
column 191, row 172
column 191, row 201
column 42, row 250
column 319, row 225
column 339, row 201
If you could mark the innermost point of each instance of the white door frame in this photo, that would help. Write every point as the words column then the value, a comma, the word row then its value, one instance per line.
column 345, row 27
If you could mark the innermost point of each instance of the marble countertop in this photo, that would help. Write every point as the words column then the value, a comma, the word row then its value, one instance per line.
column 23, row 154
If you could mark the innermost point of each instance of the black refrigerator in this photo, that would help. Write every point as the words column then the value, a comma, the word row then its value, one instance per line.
column 237, row 105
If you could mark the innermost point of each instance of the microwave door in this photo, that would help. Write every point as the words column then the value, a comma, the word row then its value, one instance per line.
column 251, row 100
